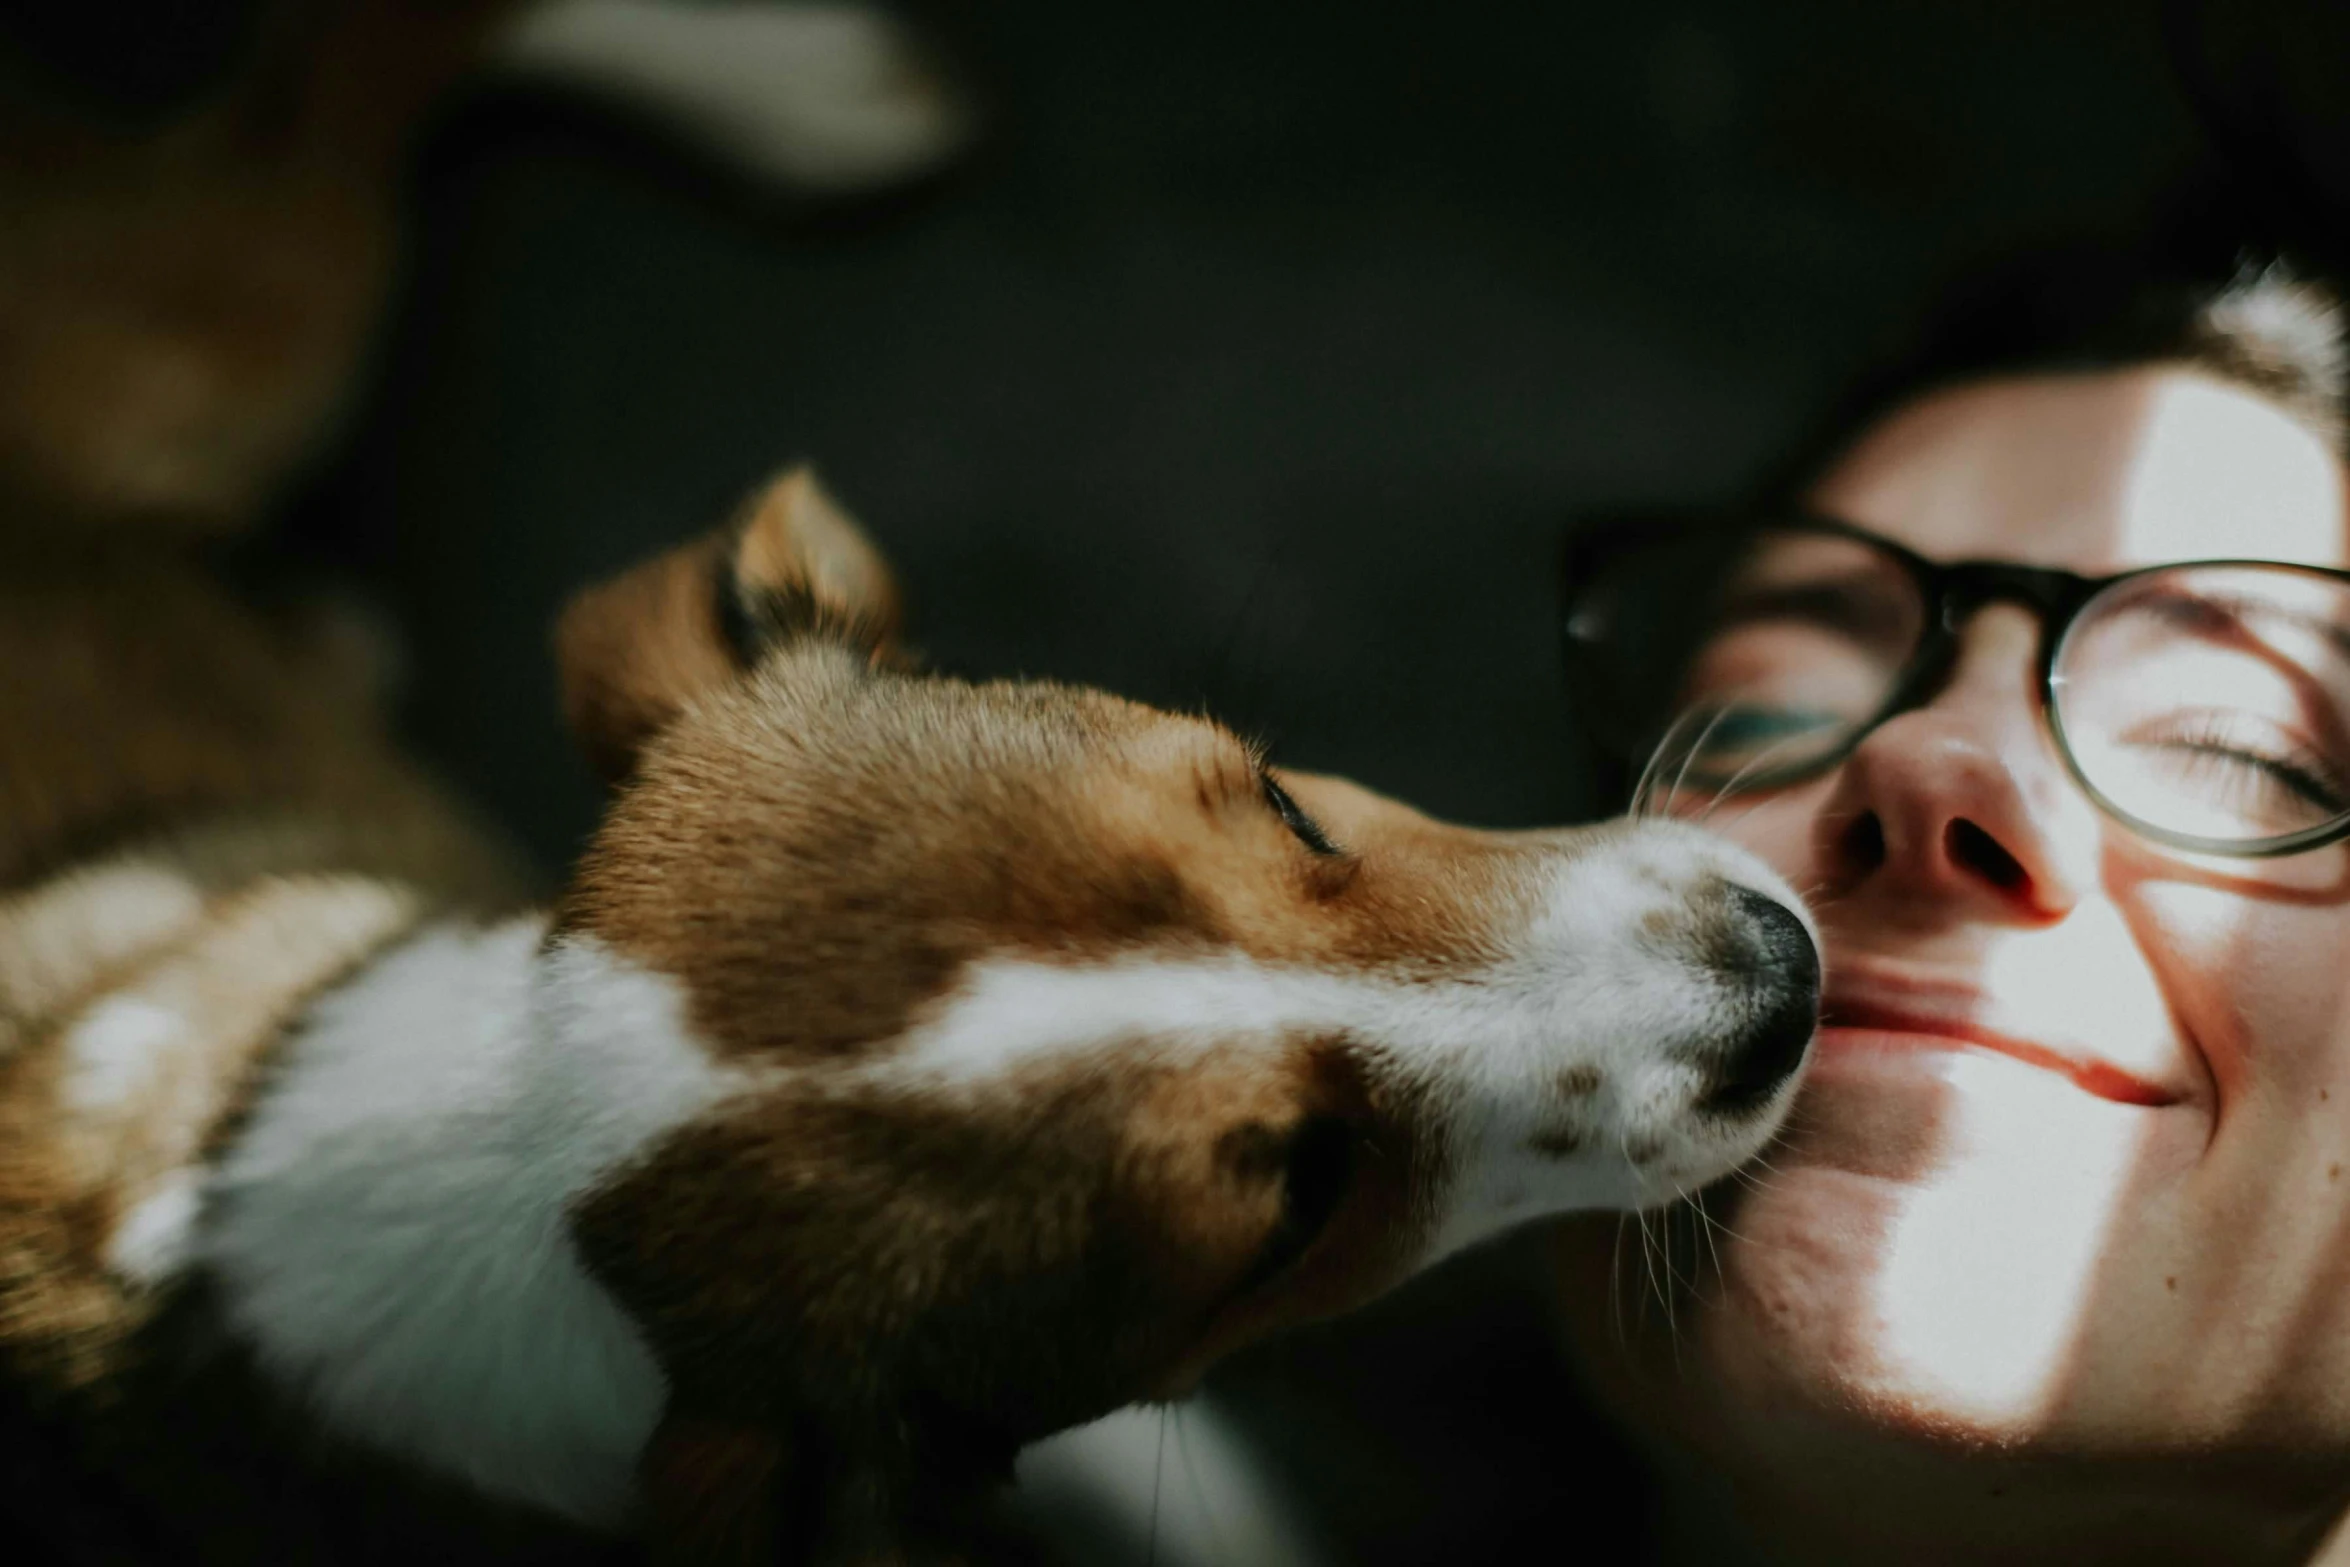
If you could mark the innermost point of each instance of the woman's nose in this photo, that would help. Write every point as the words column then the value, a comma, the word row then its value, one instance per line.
column 1962, row 800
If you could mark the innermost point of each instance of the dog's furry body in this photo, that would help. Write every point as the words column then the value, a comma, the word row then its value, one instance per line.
column 202, row 827
column 910, row 1068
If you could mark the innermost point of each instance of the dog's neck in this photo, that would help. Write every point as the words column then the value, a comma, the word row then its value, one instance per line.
column 388, row 1230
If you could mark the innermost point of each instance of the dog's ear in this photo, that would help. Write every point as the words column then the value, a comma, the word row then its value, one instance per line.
column 632, row 652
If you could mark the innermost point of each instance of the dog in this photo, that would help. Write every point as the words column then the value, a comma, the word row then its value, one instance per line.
column 351, row 1209
column 909, row 1068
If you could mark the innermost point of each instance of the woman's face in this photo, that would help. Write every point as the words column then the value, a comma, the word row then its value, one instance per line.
column 2083, row 1186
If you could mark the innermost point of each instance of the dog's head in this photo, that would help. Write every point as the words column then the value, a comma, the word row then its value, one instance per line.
column 1066, row 1044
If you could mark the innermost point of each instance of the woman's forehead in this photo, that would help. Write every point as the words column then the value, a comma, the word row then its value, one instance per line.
column 2095, row 472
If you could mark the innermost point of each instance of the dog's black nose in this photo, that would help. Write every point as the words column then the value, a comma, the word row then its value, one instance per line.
column 1785, row 1004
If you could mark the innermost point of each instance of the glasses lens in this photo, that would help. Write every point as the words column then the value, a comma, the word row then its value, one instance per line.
column 2213, row 702
column 1752, row 664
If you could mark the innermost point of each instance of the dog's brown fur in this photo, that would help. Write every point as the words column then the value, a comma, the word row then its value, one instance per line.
column 198, row 817
column 184, row 311
column 185, row 791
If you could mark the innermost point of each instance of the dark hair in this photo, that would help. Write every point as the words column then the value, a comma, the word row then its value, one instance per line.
column 2194, row 294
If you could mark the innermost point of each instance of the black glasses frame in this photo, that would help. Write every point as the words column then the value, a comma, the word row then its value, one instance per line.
column 1952, row 592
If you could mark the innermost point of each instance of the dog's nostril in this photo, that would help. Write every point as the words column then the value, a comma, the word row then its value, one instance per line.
column 1785, row 1004
column 1767, row 1053
column 1786, row 947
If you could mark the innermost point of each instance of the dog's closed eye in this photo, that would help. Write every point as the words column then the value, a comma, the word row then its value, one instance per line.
column 1293, row 816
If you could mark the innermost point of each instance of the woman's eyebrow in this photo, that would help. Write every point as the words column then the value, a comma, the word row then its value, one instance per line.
column 1853, row 598
column 2231, row 620
column 2246, row 616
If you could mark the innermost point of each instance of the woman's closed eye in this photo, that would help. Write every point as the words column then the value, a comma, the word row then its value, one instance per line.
column 2245, row 762
column 1736, row 726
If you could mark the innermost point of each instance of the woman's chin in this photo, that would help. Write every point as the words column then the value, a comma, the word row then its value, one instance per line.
column 1921, row 1254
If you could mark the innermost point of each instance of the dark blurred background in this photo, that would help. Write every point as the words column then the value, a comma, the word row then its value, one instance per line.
column 1255, row 362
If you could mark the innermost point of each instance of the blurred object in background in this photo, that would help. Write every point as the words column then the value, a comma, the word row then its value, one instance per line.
column 201, row 205
column 198, row 247
column 819, row 97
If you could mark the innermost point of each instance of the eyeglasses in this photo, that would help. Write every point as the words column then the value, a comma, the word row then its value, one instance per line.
column 2204, row 704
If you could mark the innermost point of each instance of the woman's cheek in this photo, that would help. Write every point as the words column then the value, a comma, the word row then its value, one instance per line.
column 1780, row 826
column 2258, row 977
column 2290, row 974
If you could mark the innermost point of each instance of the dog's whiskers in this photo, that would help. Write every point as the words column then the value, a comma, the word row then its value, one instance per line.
column 1158, row 1481
column 1705, row 1229
column 1645, row 783
column 1730, row 787
column 1615, row 1286
column 1689, row 757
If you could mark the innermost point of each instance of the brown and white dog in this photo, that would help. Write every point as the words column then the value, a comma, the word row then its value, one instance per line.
column 910, row 1068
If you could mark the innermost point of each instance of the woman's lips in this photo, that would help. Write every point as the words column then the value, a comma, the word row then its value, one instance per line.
column 1877, row 1022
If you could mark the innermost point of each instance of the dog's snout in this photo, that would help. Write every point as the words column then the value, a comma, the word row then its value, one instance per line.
column 1779, row 932
column 1783, row 971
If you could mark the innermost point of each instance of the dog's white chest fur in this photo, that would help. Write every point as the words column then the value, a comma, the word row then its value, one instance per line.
column 388, row 1235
